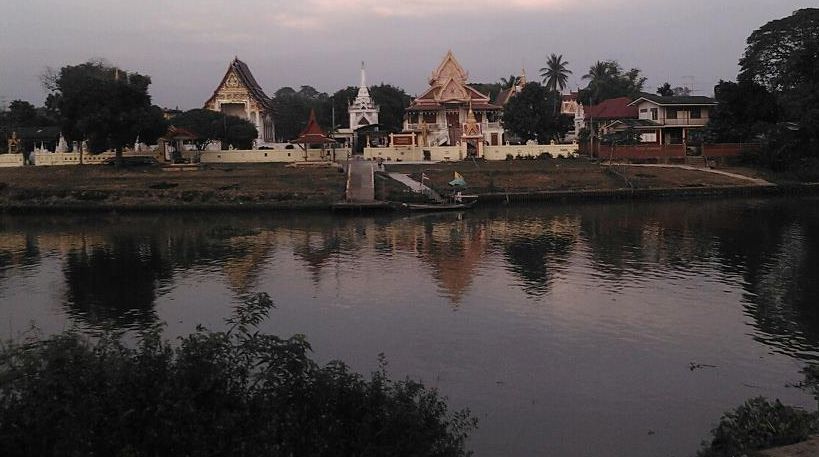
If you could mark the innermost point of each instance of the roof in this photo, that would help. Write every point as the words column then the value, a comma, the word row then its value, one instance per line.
column 635, row 124
column 613, row 108
column 313, row 134
column 448, row 85
column 242, row 71
column 570, row 97
column 675, row 99
column 179, row 133
column 504, row 96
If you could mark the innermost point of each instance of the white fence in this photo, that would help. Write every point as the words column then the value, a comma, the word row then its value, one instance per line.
column 70, row 158
column 451, row 153
column 11, row 160
column 271, row 155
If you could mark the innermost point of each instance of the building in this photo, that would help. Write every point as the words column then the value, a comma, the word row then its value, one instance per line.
column 363, row 111
column 240, row 95
column 669, row 119
column 451, row 112
column 598, row 118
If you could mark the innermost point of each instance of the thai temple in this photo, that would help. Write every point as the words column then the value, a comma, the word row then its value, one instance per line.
column 240, row 95
column 363, row 111
column 451, row 112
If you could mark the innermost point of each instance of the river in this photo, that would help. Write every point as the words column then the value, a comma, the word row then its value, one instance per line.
column 617, row 329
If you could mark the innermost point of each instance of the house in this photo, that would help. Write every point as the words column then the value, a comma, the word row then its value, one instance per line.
column 667, row 119
column 599, row 117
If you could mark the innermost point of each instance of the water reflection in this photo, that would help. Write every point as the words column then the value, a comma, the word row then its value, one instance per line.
column 116, row 267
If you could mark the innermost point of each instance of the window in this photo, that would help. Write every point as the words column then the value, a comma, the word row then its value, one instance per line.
column 696, row 113
column 671, row 113
column 644, row 110
column 654, row 114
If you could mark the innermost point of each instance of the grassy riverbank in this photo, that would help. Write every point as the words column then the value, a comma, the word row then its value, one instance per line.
column 272, row 186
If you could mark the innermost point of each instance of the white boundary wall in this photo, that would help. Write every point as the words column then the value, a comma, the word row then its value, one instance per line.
column 11, row 160
column 70, row 158
column 270, row 155
column 452, row 153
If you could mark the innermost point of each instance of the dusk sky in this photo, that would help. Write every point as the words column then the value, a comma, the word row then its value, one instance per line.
column 186, row 45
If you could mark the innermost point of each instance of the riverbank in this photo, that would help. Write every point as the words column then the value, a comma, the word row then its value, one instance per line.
column 277, row 187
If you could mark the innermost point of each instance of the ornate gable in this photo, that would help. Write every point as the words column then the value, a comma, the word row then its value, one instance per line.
column 449, row 69
column 239, row 84
column 453, row 90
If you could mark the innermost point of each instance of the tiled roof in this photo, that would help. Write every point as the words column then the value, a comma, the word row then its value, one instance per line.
column 246, row 77
column 676, row 99
column 503, row 96
column 313, row 133
column 613, row 108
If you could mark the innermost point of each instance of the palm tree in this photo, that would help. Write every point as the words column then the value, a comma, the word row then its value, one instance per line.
column 508, row 83
column 555, row 74
column 599, row 74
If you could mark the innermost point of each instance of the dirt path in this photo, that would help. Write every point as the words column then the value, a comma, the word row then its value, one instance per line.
column 757, row 181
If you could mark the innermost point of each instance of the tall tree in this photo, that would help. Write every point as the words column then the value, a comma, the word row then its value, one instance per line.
column 528, row 115
column 607, row 79
column 665, row 90
column 783, row 57
column 107, row 106
column 784, row 53
column 508, row 83
column 556, row 73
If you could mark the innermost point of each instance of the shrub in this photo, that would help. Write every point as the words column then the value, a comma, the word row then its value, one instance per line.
column 758, row 424
column 237, row 392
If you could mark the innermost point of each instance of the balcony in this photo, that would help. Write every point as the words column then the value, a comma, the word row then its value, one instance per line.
column 683, row 122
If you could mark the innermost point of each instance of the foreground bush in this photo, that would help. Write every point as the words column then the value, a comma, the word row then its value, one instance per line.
column 231, row 393
column 758, row 424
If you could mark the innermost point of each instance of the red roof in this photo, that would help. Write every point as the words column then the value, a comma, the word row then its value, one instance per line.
column 613, row 108
column 312, row 134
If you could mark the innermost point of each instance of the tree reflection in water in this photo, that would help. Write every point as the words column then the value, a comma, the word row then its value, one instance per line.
column 114, row 285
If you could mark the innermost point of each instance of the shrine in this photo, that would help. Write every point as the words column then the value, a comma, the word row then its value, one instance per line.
column 451, row 112
column 240, row 95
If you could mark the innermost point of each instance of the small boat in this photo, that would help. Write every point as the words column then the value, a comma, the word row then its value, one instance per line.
column 438, row 206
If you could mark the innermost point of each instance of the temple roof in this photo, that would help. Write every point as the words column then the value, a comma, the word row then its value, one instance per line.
column 245, row 77
column 313, row 133
column 448, row 85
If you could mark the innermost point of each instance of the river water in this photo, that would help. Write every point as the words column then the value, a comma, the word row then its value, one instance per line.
column 618, row 329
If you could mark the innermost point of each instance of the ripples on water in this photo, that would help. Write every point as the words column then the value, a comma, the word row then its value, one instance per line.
column 568, row 330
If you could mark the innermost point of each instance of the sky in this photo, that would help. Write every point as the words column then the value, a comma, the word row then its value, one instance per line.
column 186, row 45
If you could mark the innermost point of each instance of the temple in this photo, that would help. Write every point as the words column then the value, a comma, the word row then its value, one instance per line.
column 452, row 112
column 240, row 95
column 362, row 110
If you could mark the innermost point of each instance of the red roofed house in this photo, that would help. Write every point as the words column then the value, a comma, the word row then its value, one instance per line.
column 441, row 115
column 240, row 95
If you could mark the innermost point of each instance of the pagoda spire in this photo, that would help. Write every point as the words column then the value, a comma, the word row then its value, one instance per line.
column 363, row 76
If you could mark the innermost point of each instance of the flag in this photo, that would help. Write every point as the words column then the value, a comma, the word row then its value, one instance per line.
column 458, row 181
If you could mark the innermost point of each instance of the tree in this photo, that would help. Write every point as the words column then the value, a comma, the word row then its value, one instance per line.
column 392, row 101
column 782, row 56
column 555, row 74
column 607, row 79
column 105, row 105
column 237, row 392
column 745, row 111
column 215, row 126
column 490, row 89
column 528, row 115
column 508, row 83
column 784, row 53
column 665, row 90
